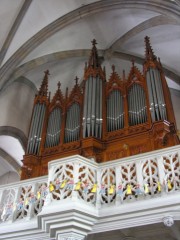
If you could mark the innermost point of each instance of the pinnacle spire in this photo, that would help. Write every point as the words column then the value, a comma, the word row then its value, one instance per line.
column 59, row 85
column 43, row 90
column 113, row 68
column 132, row 62
column 94, row 59
column 149, row 51
column 76, row 80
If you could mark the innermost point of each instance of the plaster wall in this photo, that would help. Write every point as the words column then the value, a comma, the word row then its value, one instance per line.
column 175, row 97
column 9, row 177
column 16, row 104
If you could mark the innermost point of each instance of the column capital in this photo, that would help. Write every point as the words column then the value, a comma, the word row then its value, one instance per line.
column 168, row 221
column 70, row 236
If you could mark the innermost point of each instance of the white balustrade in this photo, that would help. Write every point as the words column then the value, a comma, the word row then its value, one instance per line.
column 20, row 200
column 135, row 178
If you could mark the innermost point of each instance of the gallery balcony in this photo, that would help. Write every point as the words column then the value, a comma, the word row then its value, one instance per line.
column 81, row 199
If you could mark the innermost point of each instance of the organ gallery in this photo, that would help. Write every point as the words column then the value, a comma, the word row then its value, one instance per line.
column 101, row 119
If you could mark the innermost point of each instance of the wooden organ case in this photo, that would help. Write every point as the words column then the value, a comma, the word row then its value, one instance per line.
column 103, row 120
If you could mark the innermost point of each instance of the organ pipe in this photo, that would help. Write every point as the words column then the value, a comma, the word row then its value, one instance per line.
column 136, row 105
column 156, row 97
column 115, row 111
column 54, row 128
column 92, row 117
column 72, row 129
column 36, row 129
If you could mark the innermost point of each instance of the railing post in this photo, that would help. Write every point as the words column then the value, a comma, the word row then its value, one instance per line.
column 48, row 199
column 118, row 181
column 76, row 180
column 16, row 198
column 161, row 172
column 98, row 181
column 139, row 175
column 31, row 205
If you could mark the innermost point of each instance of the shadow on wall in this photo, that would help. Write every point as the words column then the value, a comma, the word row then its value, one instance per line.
column 9, row 177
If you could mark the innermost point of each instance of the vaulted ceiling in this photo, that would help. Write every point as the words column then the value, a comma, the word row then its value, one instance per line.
column 36, row 35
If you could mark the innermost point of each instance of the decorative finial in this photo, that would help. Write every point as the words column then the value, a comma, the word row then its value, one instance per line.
column 149, row 52
column 47, row 72
column 94, row 42
column 85, row 67
column 76, row 80
column 43, row 90
column 124, row 75
column 132, row 62
column 59, row 85
column 113, row 68
column 94, row 59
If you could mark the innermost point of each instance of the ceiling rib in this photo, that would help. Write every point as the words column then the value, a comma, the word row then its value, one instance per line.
column 166, row 8
column 155, row 21
column 16, row 133
column 126, row 56
column 54, row 57
column 9, row 159
column 13, row 29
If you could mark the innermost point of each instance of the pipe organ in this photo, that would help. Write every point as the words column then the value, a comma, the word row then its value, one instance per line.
column 102, row 119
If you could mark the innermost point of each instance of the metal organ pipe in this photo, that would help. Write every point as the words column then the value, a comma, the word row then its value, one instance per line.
column 129, row 107
column 31, row 133
column 70, row 124
column 58, row 127
column 162, row 104
column 37, row 130
column 150, row 94
column 73, row 118
column 54, row 128
column 85, row 109
column 100, row 112
column 89, row 106
column 122, row 112
column 72, row 129
column 39, row 125
column 137, row 105
column 40, row 128
column 97, row 106
column 92, row 115
column 156, row 95
column 74, row 122
column 115, row 111
column 142, row 104
column 78, row 121
column 48, row 132
column 34, row 134
column 93, row 105
column 66, row 136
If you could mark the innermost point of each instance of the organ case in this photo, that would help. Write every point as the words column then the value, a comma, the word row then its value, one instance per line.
column 99, row 119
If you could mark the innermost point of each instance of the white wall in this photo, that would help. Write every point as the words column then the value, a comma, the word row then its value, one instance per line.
column 9, row 177
column 16, row 104
column 175, row 97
